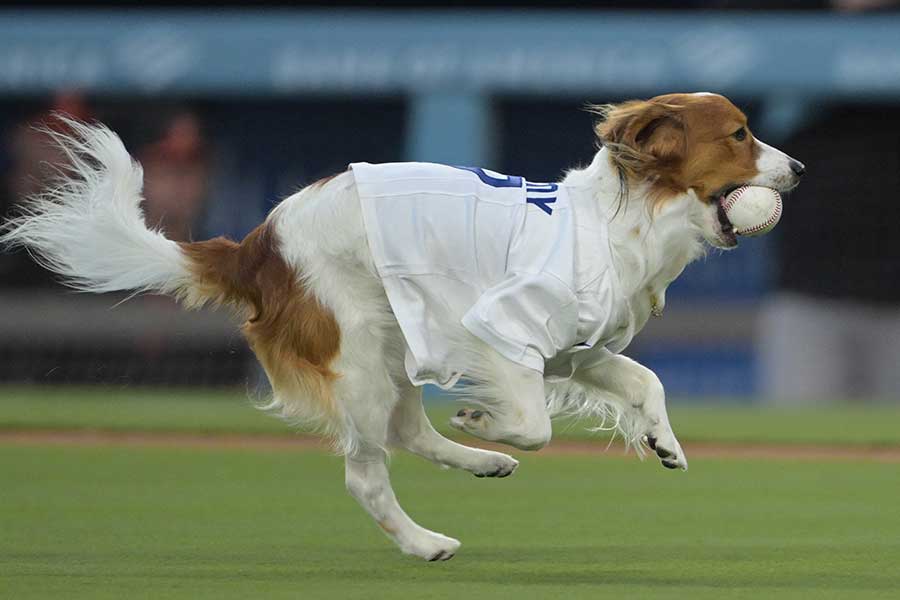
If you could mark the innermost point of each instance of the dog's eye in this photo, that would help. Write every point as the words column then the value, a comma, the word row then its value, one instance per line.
column 740, row 135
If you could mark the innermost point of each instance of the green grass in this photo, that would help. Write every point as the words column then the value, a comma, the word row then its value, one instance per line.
column 231, row 411
column 135, row 523
column 127, row 409
column 141, row 522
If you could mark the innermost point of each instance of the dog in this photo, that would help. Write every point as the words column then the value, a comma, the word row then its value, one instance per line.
column 529, row 291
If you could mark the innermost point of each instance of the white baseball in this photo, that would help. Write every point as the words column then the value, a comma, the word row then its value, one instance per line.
column 753, row 210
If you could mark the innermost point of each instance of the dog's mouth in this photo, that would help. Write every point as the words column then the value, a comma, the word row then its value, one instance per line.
column 725, row 230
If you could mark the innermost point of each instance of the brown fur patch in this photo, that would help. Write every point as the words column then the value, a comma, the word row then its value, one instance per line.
column 294, row 337
column 678, row 142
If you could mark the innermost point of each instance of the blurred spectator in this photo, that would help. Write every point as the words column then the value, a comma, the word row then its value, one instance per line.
column 31, row 156
column 833, row 329
column 176, row 177
column 32, row 148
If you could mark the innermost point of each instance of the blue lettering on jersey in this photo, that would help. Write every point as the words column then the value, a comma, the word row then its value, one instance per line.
column 541, row 187
column 501, row 181
column 533, row 195
column 542, row 203
column 534, row 191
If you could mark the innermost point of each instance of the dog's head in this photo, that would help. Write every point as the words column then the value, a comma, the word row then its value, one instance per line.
column 693, row 144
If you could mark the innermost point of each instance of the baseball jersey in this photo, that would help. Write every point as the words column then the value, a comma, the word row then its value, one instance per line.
column 525, row 267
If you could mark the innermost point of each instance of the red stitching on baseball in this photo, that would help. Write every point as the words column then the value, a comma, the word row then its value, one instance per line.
column 772, row 219
column 733, row 197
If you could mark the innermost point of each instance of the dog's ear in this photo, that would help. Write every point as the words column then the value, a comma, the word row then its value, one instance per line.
column 641, row 134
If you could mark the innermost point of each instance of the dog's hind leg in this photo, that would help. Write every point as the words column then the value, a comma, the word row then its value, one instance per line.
column 411, row 429
column 327, row 242
column 368, row 395
column 515, row 410
column 367, row 481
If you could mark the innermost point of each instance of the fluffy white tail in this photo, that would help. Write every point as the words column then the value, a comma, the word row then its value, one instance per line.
column 89, row 228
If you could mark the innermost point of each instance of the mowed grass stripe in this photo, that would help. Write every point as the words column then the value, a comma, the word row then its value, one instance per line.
column 210, row 523
column 232, row 411
column 569, row 447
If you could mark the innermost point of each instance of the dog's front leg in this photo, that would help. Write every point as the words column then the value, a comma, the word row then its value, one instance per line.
column 515, row 411
column 637, row 391
column 411, row 429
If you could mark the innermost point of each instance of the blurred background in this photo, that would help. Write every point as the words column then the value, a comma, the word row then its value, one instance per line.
column 231, row 110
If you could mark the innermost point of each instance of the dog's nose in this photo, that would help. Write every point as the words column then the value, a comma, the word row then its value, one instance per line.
column 798, row 168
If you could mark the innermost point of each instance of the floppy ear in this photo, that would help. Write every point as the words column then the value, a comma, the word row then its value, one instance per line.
column 641, row 135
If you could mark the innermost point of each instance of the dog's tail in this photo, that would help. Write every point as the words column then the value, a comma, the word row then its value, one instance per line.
column 89, row 228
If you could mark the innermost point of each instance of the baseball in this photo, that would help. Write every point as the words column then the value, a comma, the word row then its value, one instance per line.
column 753, row 210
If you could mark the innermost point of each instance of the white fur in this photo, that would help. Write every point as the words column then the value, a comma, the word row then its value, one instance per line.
column 90, row 229
column 774, row 169
column 649, row 250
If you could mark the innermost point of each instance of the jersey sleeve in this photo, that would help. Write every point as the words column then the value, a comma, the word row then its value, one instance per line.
column 528, row 318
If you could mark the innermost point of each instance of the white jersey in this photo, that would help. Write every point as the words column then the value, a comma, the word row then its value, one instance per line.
column 525, row 267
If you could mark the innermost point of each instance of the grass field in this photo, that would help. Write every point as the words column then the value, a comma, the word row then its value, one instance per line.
column 152, row 522
column 124, row 409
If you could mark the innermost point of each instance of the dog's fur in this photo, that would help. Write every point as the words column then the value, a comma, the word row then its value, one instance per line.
column 318, row 319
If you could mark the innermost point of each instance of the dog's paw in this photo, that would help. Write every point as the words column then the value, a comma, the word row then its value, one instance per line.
column 667, row 448
column 496, row 464
column 472, row 421
column 432, row 546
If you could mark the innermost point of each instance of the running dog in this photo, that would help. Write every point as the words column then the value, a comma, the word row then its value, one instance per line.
column 365, row 285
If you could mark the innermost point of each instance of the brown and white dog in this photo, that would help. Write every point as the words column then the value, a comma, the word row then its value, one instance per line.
column 321, row 325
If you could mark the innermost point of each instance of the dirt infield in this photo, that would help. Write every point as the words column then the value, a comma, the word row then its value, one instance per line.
column 806, row 452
